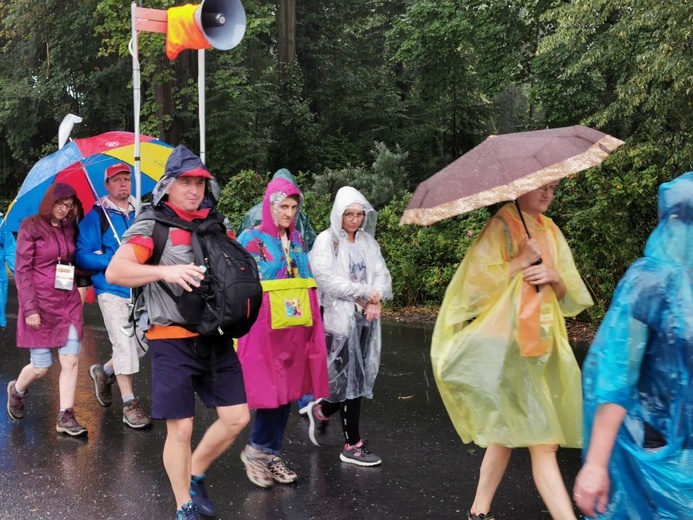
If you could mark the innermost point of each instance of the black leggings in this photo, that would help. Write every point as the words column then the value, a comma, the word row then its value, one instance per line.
column 349, row 411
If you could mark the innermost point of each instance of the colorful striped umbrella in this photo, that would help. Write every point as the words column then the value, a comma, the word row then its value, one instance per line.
column 81, row 164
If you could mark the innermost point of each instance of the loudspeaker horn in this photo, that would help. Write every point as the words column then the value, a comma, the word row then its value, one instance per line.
column 222, row 22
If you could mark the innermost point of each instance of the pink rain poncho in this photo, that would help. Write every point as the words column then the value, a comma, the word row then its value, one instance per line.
column 500, row 351
column 284, row 354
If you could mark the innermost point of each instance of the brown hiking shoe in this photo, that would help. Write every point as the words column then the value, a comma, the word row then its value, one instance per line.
column 280, row 473
column 67, row 423
column 15, row 402
column 102, row 385
column 134, row 416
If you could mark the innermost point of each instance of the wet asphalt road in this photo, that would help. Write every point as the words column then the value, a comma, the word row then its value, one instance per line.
column 117, row 473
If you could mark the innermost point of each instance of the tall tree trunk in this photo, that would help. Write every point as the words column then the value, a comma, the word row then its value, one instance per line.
column 286, row 40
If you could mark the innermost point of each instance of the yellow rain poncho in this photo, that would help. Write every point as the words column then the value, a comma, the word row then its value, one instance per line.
column 500, row 350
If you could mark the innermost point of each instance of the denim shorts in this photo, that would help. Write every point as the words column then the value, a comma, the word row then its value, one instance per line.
column 181, row 367
column 43, row 357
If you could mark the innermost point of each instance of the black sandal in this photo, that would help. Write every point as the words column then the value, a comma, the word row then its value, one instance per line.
column 472, row 516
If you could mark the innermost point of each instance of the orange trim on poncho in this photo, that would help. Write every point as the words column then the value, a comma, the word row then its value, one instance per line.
column 534, row 323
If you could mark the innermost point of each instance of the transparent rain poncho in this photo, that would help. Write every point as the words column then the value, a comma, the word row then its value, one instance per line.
column 354, row 343
column 642, row 359
column 500, row 351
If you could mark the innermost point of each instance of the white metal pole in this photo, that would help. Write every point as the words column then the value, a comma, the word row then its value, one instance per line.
column 133, row 48
column 201, row 102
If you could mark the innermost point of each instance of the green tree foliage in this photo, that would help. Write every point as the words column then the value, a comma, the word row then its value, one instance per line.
column 50, row 66
column 240, row 194
column 433, row 46
column 422, row 260
column 340, row 49
column 380, row 183
column 624, row 67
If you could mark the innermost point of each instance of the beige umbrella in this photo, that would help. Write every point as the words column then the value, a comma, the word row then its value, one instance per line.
column 504, row 167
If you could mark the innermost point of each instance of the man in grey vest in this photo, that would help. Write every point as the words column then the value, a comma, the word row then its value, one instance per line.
column 183, row 362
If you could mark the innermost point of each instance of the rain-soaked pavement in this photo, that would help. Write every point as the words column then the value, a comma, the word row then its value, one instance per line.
column 117, row 472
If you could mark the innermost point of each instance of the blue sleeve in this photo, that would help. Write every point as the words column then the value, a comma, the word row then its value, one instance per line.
column 89, row 241
column 9, row 247
column 613, row 366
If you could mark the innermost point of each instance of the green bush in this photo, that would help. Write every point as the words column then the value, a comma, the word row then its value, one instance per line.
column 241, row 193
column 422, row 260
column 607, row 213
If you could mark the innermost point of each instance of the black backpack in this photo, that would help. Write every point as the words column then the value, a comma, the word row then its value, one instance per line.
column 230, row 295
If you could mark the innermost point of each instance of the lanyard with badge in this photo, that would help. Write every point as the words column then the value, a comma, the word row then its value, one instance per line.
column 291, row 268
column 64, row 273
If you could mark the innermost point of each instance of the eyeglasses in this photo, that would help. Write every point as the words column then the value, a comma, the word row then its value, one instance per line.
column 67, row 205
column 354, row 216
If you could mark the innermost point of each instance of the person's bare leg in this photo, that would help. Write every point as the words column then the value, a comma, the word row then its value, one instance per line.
column 177, row 457
column 491, row 473
column 27, row 376
column 125, row 384
column 124, row 380
column 549, row 482
column 219, row 437
column 82, row 293
column 69, row 365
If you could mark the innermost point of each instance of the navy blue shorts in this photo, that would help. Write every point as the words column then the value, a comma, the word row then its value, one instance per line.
column 181, row 367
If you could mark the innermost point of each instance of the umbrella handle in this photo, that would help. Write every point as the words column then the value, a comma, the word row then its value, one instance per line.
column 537, row 287
column 519, row 211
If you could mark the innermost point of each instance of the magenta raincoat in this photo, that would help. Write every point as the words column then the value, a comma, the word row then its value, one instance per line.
column 38, row 247
column 281, row 362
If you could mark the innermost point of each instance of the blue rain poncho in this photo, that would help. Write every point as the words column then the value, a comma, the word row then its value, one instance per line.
column 500, row 351
column 8, row 246
column 354, row 343
column 641, row 359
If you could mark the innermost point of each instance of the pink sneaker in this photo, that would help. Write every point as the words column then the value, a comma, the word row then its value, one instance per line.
column 360, row 455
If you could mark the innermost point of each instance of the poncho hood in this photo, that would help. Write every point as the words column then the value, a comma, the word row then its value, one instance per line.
column 671, row 240
column 277, row 190
column 346, row 197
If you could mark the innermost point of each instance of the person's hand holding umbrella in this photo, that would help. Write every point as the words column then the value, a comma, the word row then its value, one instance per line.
column 529, row 256
column 534, row 271
column 500, row 352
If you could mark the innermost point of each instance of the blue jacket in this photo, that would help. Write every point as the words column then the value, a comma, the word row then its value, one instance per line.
column 90, row 240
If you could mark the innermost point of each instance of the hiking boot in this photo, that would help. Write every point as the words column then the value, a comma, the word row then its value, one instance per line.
column 359, row 455
column 67, row 423
column 198, row 493
column 280, row 473
column 256, row 467
column 187, row 511
column 134, row 416
column 15, row 402
column 472, row 516
column 316, row 420
column 102, row 385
